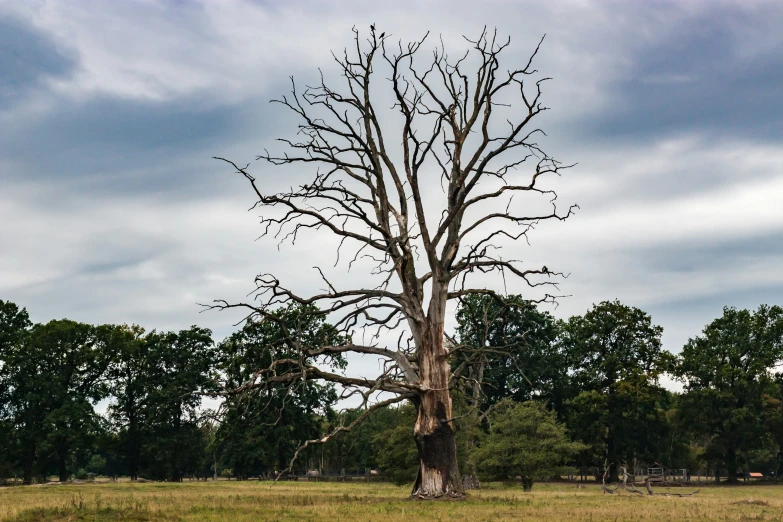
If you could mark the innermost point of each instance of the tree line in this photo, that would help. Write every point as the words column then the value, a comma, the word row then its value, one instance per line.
column 544, row 397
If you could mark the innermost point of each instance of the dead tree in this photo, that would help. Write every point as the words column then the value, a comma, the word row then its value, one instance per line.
column 464, row 124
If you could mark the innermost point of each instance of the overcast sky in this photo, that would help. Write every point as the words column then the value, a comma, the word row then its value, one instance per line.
column 112, row 211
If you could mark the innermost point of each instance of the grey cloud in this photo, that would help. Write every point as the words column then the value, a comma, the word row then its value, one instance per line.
column 125, row 232
column 712, row 73
column 27, row 57
column 728, row 255
column 131, row 146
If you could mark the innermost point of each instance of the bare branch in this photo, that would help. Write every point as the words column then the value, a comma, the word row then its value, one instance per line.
column 372, row 191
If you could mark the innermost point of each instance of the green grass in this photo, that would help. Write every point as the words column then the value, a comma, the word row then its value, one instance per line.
column 375, row 502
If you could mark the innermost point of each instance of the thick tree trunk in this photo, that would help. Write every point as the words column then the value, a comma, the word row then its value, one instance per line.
column 434, row 431
column 62, row 466
column 731, row 476
column 29, row 458
column 434, row 434
column 731, row 466
column 133, row 447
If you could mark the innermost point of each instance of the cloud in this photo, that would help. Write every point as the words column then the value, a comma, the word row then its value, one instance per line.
column 114, row 145
column 29, row 59
column 110, row 114
column 715, row 69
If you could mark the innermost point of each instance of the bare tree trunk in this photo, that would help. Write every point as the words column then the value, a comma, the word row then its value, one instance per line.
column 438, row 471
column 434, row 431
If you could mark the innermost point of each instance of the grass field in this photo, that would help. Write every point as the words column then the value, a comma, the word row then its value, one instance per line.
column 376, row 502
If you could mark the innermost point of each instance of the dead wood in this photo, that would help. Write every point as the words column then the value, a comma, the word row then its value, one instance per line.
column 464, row 124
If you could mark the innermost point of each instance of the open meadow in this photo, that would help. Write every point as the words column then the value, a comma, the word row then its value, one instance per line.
column 303, row 501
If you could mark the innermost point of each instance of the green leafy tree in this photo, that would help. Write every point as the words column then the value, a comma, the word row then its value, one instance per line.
column 53, row 376
column 512, row 344
column 182, row 371
column 266, row 420
column 397, row 456
column 15, row 326
column 8, row 449
column 130, row 376
column 96, row 465
column 775, row 408
column 615, row 359
column 728, row 373
column 74, row 381
column 525, row 440
column 505, row 348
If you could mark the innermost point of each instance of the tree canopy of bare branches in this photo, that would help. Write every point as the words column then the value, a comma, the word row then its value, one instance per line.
column 464, row 126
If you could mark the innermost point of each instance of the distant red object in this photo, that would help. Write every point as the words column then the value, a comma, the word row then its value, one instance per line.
column 756, row 475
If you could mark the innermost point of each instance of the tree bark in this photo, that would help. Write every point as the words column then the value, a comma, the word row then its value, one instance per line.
column 434, row 432
column 731, row 476
column 731, row 466
column 29, row 457
column 62, row 465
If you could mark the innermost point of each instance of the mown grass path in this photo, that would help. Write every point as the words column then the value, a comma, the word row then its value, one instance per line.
column 374, row 502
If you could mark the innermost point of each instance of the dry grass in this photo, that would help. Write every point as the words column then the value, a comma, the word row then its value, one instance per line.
column 334, row 502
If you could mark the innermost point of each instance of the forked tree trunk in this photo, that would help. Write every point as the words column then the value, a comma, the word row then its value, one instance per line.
column 434, row 432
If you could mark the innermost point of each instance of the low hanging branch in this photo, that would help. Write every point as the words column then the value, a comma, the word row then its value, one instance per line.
column 366, row 411
column 463, row 125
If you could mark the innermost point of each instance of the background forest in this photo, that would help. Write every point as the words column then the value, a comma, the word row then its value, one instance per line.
column 550, row 397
